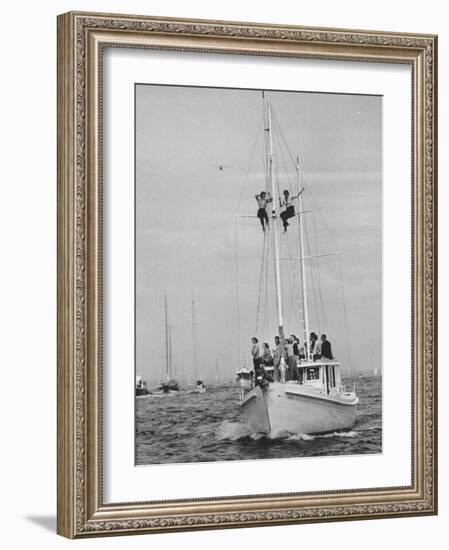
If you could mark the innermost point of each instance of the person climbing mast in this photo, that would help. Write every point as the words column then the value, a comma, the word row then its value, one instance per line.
column 289, row 208
column 263, row 199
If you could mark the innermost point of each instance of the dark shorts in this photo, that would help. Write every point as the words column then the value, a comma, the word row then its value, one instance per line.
column 262, row 214
column 289, row 212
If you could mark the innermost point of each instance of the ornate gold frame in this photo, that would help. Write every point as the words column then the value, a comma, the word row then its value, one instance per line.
column 81, row 37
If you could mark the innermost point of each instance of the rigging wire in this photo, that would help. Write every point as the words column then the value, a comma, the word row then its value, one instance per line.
column 341, row 279
column 236, row 259
column 281, row 133
column 267, row 317
column 291, row 286
column 312, row 278
column 237, row 278
column 346, row 317
column 245, row 181
column 286, row 171
column 261, row 280
column 294, row 290
column 320, row 312
column 293, row 267
column 318, row 270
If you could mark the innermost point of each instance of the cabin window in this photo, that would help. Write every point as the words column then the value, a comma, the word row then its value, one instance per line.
column 313, row 373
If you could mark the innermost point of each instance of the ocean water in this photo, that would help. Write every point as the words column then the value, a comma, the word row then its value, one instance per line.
column 195, row 427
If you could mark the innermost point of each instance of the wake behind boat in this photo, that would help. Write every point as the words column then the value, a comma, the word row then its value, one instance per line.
column 313, row 399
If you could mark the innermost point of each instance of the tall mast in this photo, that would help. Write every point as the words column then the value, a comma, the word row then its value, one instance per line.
column 195, row 352
column 170, row 360
column 302, row 259
column 166, row 335
column 275, row 206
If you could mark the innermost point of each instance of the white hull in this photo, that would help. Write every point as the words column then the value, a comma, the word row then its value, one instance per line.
column 293, row 408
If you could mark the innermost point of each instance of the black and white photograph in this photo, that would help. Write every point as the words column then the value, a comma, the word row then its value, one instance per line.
column 223, row 237
column 258, row 274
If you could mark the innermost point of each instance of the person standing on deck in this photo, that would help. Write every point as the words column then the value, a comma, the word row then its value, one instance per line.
column 312, row 344
column 289, row 207
column 267, row 361
column 317, row 350
column 295, row 341
column 257, row 360
column 277, row 355
column 326, row 348
column 262, row 200
column 291, row 359
column 267, row 358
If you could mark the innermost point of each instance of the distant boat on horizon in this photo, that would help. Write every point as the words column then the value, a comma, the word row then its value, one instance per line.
column 141, row 386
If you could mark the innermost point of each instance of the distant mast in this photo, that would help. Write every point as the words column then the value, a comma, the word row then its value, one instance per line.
column 167, row 359
column 170, row 358
column 195, row 351
column 275, row 208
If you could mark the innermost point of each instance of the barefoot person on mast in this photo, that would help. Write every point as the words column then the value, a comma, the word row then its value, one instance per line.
column 289, row 207
column 262, row 200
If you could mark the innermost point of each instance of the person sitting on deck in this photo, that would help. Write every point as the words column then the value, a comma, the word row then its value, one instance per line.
column 326, row 348
column 262, row 200
column 289, row 207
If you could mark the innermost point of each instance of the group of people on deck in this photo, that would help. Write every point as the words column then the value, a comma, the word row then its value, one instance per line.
column 285, row 357
column 286, row 204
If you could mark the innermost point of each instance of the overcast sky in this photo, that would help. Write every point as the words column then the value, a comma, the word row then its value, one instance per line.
column 186, row 214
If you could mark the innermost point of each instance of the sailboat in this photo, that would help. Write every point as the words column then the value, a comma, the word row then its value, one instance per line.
column 200, row 386
column 169, row 385
column 316, row 401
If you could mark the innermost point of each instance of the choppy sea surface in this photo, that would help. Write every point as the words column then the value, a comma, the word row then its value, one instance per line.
column 195, row 427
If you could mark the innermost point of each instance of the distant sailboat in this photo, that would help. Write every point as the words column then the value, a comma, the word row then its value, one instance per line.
column 200, row 386
column 217, row 382
column 169, row 385
column 316, row 402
